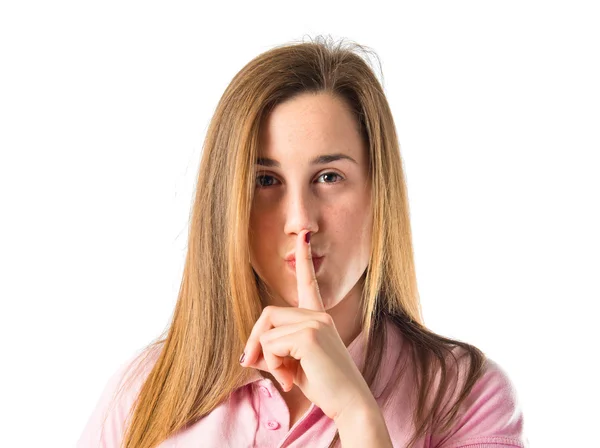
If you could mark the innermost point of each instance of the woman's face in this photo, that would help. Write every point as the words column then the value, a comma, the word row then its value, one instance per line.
column 297, row 188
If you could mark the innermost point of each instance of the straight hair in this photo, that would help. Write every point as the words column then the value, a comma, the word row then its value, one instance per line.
column 195, row 360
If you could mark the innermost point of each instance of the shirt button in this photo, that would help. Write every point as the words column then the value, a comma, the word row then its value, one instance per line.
column 272, row 424
column 265, row 391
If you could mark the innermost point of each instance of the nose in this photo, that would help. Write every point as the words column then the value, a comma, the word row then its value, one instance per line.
column 302, row 211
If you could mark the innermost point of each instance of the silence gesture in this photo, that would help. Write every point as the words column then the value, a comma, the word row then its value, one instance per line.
column 301, row 346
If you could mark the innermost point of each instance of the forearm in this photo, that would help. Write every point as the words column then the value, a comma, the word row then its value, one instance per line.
column 363, row 426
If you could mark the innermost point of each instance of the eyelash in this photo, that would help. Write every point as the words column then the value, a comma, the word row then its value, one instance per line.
column 269, row 186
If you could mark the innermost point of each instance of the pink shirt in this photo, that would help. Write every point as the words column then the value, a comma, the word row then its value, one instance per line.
column 255, row 415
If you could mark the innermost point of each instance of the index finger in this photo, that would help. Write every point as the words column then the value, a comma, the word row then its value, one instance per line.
column 309, row 296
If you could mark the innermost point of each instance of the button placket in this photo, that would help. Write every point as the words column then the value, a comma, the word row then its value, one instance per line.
column 270, row 413
column 270, row 424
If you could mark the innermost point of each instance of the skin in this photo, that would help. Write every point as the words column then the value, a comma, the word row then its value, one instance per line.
column 330, row 200
column 301, row 346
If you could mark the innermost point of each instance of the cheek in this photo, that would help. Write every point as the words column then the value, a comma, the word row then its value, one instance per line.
column 355, row 227
column 262, row 218
column 262, row 229
column 261, row 226
column 353, row 219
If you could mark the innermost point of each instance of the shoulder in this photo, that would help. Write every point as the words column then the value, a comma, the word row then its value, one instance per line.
column 106, row 425
column 490, row 414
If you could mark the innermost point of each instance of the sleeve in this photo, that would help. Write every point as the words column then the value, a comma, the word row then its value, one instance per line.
column 106, row 425
column 490, row 416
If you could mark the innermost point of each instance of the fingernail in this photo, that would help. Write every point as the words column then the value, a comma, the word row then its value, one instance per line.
column 242, row 357
column 307, row 237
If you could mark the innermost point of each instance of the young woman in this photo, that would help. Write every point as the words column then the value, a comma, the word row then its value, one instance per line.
column 298, row 321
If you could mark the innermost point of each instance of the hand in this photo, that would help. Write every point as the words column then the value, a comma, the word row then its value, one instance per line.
column 301, row 346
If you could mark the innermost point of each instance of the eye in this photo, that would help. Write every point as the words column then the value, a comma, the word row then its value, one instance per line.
column 266, row 181
column 331, row 172
column 263, row 176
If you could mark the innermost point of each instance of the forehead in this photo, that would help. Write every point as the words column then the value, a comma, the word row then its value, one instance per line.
column 310, row 125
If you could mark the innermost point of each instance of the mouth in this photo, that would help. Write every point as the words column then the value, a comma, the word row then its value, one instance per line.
column 317, row 261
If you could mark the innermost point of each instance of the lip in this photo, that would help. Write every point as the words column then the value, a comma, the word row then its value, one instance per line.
column 292, row 255
column 317, row 262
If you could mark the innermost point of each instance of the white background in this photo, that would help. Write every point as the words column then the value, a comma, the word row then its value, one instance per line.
column 103, row 110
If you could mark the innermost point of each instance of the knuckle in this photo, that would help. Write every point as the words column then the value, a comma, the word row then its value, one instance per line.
column 327, row 319
column 315, row 325
column 265, row 310
column 268, row 310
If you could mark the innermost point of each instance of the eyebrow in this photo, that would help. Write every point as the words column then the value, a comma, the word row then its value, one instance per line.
column 319, row 160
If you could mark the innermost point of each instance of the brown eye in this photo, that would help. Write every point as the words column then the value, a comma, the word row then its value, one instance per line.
column 330, row 174
column 262, row 178
column 266, row 181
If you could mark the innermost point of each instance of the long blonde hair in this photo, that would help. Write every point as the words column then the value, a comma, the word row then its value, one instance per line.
column 196, row 364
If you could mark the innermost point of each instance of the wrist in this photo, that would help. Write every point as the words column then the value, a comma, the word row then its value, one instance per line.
column 363, row 425
column 357, row 412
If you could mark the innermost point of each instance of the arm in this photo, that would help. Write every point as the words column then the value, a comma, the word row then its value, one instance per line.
column 363, row 426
